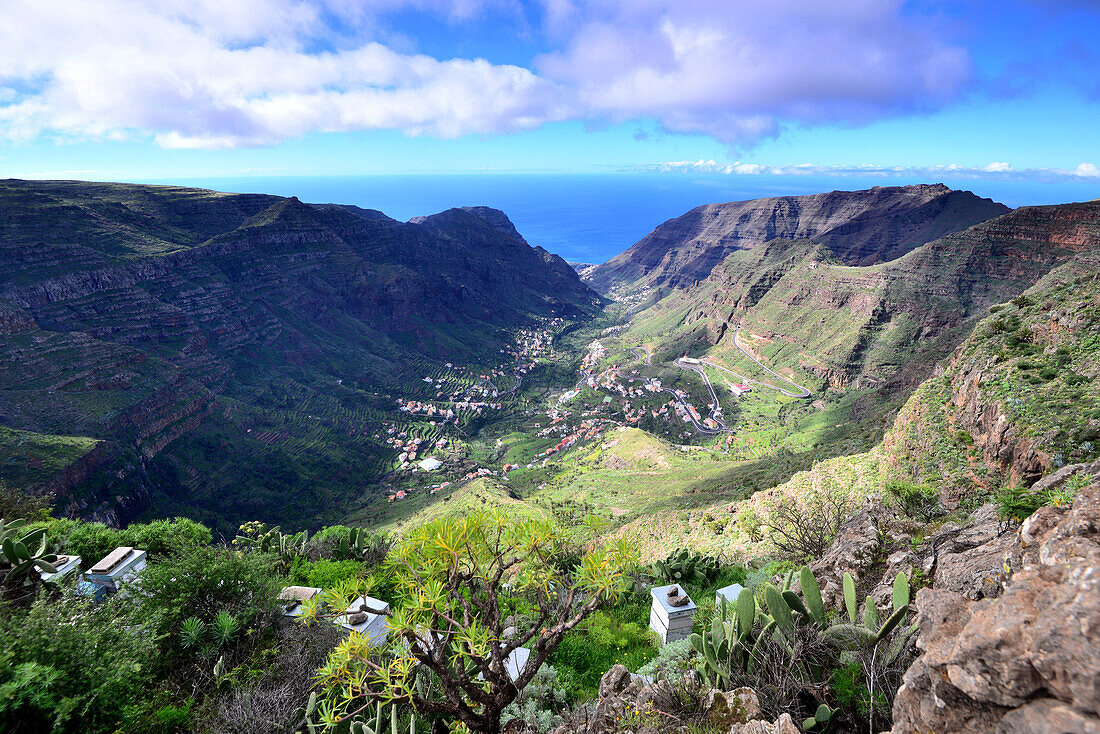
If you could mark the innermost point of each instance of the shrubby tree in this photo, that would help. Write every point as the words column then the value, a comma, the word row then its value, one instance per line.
column 801, row 529
column 207, row 599
column 68, row 664
column 456, row 578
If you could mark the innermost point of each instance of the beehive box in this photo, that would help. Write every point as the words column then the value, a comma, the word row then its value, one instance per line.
column 669, row 622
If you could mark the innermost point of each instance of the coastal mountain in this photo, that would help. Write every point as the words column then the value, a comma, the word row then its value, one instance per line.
column 860, row 227
column 866, row 326
column 262, row 339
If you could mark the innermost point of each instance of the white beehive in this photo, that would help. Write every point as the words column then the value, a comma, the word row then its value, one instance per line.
column 361, row 617
column 669, row 622
column 729, row 593
column 121, row 565
column 64, row 565
column 292, row 597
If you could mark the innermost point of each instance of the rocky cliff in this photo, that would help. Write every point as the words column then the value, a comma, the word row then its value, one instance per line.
column 1018, row 399
column 859, row 227
column 869, row 327
column 1026, row 656
column 140, row 315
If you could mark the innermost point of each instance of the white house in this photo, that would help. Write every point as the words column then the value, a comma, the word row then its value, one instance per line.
column 121, row 566
column 430, row 464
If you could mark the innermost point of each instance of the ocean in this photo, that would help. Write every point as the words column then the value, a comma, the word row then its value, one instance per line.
column 592, row 217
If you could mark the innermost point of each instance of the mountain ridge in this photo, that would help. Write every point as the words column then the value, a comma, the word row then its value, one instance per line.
column 861, row 227
column 128, row 327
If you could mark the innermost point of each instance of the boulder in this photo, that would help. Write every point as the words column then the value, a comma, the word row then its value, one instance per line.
column 970, row 560
column 783, row 725
column 615, row 681
column 853, row 550
column 1027, row 661
column 724, row 710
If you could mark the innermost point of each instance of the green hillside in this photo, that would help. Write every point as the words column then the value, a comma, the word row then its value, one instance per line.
column 237, row 356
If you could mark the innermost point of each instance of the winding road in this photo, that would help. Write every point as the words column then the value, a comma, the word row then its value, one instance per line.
column 802, row 391
column 648, row 354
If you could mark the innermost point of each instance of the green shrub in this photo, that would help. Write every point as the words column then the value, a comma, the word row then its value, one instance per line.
column 94, row 540
column 1018, row 503
column 203, row 582
column 324, row 573
column 173, row 718
column 918, row 501
column 671, row 662
column 72, row 665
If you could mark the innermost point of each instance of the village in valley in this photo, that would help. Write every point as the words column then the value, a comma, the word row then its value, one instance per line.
column 509, row 421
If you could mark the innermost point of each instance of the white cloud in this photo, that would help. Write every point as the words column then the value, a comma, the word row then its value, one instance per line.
column 215, row 74
column 952, row 170
column 739, row 71
column 224, row 73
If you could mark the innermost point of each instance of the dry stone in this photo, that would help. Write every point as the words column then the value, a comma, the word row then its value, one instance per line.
column 1027, row 661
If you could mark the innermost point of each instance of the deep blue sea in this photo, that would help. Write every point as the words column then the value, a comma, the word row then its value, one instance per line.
column 593, row 217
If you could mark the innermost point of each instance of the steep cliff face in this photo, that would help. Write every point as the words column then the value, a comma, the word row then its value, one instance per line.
column 1026, row 658
column 878, row 325
column 1021, row 396
column 860, row 227
column 141, row 315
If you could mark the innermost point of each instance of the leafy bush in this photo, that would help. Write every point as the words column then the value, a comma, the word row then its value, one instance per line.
column 672, row 661
column 324, row 573
column 203, row 582
column 1019, row 503
column 72, row 665
column 94, row 540
column 918, row 501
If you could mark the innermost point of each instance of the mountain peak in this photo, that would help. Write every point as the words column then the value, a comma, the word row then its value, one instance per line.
column 496, row 219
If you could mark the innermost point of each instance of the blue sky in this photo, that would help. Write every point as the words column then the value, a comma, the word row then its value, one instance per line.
column 157, row 89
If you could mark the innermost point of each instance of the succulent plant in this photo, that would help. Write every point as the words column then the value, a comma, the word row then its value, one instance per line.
column 273, row 540
column 683, row 566
column 19, row 555
column 821, row 719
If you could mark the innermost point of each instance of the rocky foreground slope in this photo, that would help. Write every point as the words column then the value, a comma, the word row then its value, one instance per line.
column 259, row 336
column 859, row 227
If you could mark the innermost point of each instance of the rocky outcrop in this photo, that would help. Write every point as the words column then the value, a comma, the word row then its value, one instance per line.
column 1027, row 660
column 1016, row 401
column 625, row 697
column 860, row 227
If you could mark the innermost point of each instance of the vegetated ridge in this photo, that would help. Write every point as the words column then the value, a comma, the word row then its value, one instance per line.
column 238, row 354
